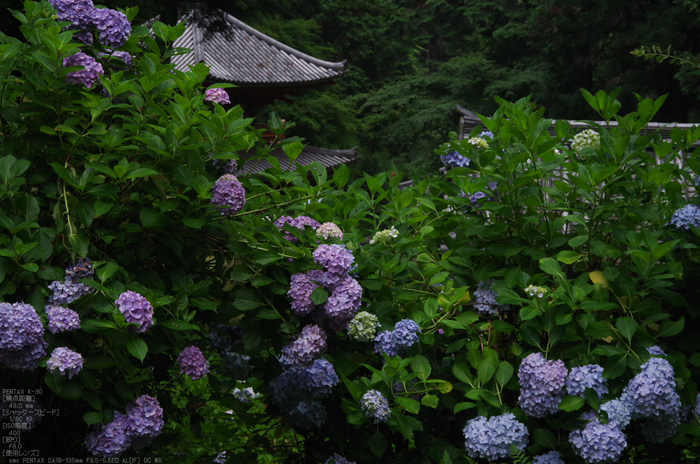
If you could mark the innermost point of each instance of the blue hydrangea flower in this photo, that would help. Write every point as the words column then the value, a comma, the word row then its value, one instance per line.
column 652, row 392
column 87, row 76
column 542, row 384
column 338, row 459
column 217, row 95
column 492, row 438
column 588, row 376
column 113, row 26
column 385, row 341
column 76, row 11
column 619, row 411
column 144, row 420
column 484, row 299
column 193, row 363
column 455, row 160
column 136, row 309
column 376, row 406
column 659, row 429
column 62, row 319
column 687, row 216
column 220, row 458
column 656, row 351
column 228, row 194
column 598, row 443
column 306, row 383
column 65, row 361
column 67, row 292
column 309, row 415
column 245, row 395
column 22, row 342
column 553, row 457
column 406, row 333
column 310, row 345
column 110, row 440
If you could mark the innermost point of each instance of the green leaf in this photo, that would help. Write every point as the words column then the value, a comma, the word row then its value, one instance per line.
column 568, row 256
column 137, row 348
column 319, row 295
column 247, row 299
column 341, row 175
column 592, row 398
column 106, row 271
column 378, row 444
column 421, row 366
column 462, row 406
column 615, row 366
column 669, row 328
column 504, row 373
column 544, row 438
column 141, row 172
column 552, row 267
column 408, row 404
column 627, row 327
column 204, row 303
column 572, row 403
column 97, row 325
column 92, row 417
column 430, row 401
column 577, row 241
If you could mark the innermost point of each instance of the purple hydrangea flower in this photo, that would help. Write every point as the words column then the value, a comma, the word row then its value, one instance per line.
column 114, row 27
column 319, row 378
column 484, row 299
column 193, row 363
column 652, row 392
column 82, row 269
column 62, row 319
column 309, row 415
column 22, row 342
column 299, row 222
column 217, row 95
column 598, row 443
column 88, row 76
column 687, row 216
column 553, row 457
column 109, row 440
column 304, row 383
column 136, row 309
column 144, row 420
column 310, row 345
column 455, row 160
column 76, row 11
column 588, row 376
column 338, row 459
column 84, row 37
column 68, row 291
column 66, row 361
column 376, row 406
column 220, row 458
column 336, row 259
column 343, row 303
column 229, row 194
column 301, row 287
column 406, row 333
column 329, row 230
column 492, row 438
column 385, row 341
column 656, row 351
column 542, row 384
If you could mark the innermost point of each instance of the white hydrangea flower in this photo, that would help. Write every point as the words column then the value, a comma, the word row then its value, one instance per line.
column 478, row 142
column 535, row 291
column 586, row 139
column 383, row 236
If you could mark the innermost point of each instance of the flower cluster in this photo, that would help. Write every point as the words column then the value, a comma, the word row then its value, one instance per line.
column 484, row 299
column 299, row 222
column 22, row 342
column 338, row 459
column 309, row 415
column 113, row 27
column 535, row 291
column 220, row 458
column 329, row 230
column 217, row 95
column 70, row 289
column 687, row 216
column 586, row 139
column 62, row 319
column 376, row 406
column 383, row 236
column 310, row 345
column 542, row 384
column 478, row 142
column 619, row 411
column 652, row 392
column 337, row 260
column 144, row 420
column 136, row 310
column 455, row 160
column 300, row 289
column 597, row 443
column 345, row 300
column 65, row 361
column 245, row 395
column 109, row 440
column 480, row 195
column 193, row 363
column 588, row 376
column 363, row 327
column 228, row 194
column 492, row 438
column 305, row 383
column 404, row 335
column 553, row 457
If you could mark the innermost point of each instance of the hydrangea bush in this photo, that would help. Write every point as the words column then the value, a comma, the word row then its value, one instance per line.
column 505, row 297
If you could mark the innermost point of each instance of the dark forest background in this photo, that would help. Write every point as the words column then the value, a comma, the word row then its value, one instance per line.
column 411, row 62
